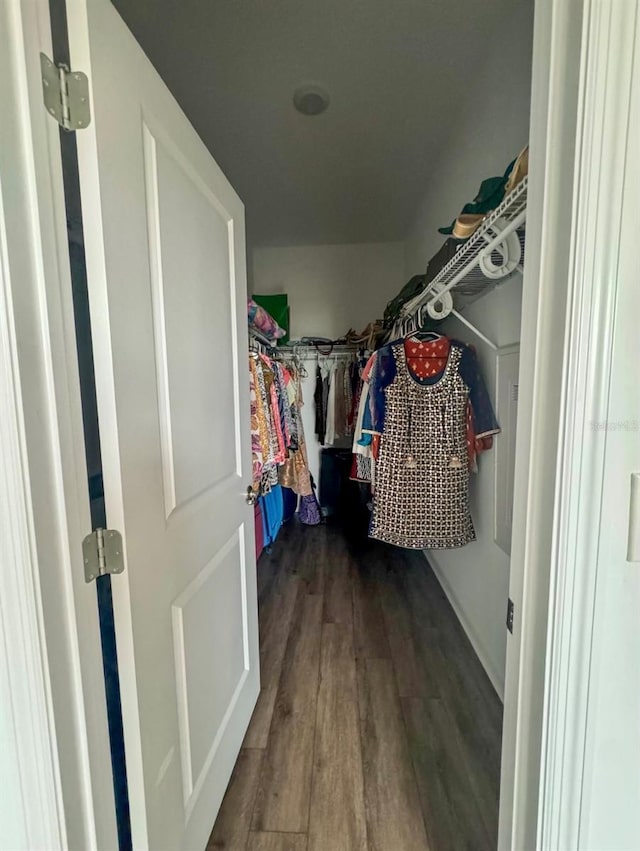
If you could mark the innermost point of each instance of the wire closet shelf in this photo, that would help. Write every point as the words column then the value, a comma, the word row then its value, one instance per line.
column 491, row 256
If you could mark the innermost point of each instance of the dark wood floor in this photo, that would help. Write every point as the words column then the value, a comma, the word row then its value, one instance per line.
column 376, row 727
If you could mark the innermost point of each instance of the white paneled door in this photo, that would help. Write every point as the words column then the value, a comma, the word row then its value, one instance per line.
column 165, row 244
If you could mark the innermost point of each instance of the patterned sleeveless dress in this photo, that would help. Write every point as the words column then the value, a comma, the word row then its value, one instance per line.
column 422, row 475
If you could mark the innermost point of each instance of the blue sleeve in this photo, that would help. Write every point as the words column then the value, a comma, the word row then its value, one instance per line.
column 380, row 378
column 367, row 418
column 367, row 425
column 484, row 419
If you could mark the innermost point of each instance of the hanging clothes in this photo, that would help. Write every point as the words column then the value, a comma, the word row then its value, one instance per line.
column 321, row 408
column 262, row 438
column 294, row 473
column 310, row 513
column 330, row 435
column 364, row 443
column 259, row 443
column 336, row 383
column 277, row 435
column 340, row 402
column 420, row 415
column 272, row 508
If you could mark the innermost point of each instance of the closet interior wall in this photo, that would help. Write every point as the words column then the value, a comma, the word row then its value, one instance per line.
column 334, row 287
column 493, row 126
column 331, row 288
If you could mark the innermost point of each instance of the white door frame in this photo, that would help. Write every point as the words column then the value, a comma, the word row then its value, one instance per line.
column 55, row 747
column 583, row 54
column 49, row 616
column 557, row 50
column 611, row 48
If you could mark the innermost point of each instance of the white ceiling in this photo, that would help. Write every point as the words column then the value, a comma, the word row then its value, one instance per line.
column 397, row 72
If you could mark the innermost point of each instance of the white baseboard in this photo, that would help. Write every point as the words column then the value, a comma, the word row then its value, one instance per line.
column 497, row 680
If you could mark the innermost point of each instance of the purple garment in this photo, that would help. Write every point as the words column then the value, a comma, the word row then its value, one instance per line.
column 309, row 510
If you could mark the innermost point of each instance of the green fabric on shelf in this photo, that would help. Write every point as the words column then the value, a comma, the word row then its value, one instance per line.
column 490, row 195
column 277, row 306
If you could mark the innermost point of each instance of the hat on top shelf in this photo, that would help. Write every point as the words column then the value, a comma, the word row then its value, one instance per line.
column 490, row 195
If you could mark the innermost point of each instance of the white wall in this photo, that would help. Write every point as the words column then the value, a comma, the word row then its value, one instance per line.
column 492, row 128
column 331, row 288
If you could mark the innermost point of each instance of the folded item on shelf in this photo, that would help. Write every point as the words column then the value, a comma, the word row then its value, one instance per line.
column 440, row 259
column 263, row 322
column 368, row 337
column 519, row 171
column 411, row 289
column 277, row 306
column 467, row 224
column 490, row 195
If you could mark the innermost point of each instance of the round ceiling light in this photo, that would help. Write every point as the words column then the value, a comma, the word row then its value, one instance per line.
column 310, row 100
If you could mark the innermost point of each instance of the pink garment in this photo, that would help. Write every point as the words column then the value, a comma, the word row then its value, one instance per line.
column 281, row 454
column 256, row 443
column 263, row 321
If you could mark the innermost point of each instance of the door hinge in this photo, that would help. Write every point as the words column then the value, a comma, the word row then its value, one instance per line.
column 102, row 551
column 66, row 94
column 510, row 615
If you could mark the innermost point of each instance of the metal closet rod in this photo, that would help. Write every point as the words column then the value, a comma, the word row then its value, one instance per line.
column 315, row 346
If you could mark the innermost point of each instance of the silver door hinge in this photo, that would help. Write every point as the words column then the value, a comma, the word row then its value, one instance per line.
column 510, row 609
column 102, row 552
column 66, row 94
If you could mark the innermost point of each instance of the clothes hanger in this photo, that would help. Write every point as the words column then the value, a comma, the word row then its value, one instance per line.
column 423, row 335
column 427, row 336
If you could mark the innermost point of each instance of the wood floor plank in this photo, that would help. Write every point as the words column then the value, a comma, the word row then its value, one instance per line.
column 480, row 747
column 337, row 817
column 277, row 842
column 466, row 691
column 470, row 700
column 451, row 812
column 413, row 661
column 234, row 819
column 423, row 591
column 282, row 802
column 422, row 756
column 257, row 735
column 426, row 591
column 312, row 558
column 272, row 566
column 338, row 600
column 473, row 678
column 394, row 815
column 275, row 623
column 369, row 630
